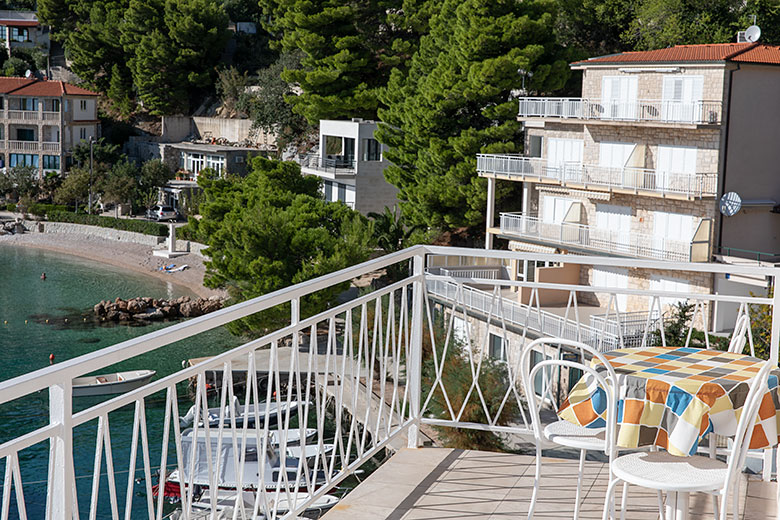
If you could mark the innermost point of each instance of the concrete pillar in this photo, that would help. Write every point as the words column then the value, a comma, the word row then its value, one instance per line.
column 171, row 238
column 490, row 216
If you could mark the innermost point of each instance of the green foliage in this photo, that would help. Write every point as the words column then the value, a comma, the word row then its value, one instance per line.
column 120, row 184
column 14, row 67
column 41, row 210
column 456, row 101
column 154, row 173
column 457, row 378
column 272, row 229
column 676, row 330
column 120, row 90
column 349, row 49
column 103, row 153
column 74, row 190
column 230, row 86
column 392, row 234
column 123, row 224
column 267, row 106
column 20, row 182
column 761, row 327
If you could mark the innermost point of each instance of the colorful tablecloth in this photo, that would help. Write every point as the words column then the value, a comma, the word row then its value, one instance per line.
column 672, row 396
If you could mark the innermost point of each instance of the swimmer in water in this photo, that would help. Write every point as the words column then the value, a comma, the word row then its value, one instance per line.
column 43, row 276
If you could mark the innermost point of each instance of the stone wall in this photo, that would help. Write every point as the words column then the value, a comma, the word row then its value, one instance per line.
column 650, row 84
column 99, row 232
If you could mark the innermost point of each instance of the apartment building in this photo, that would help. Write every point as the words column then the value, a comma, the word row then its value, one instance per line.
column 637, row 165
column 21, row 29
column 351, row 164
column 41, row 121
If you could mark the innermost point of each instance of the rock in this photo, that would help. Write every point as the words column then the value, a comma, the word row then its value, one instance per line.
column 190, row 310
column 154, row 314
column 124, row 316
column 112, row 315
column 100, row 309
column 121, row 305
column 169, row 311
column 136, row 306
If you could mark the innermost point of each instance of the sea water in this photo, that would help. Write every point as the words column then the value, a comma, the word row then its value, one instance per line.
column 71, row 288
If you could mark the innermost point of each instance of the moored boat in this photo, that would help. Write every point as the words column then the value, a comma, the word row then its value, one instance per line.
column 107, row 384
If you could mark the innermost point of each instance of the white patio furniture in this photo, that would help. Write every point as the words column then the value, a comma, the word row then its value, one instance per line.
column 679, row 476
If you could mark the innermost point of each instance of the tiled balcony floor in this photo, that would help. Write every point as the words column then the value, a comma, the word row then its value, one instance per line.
column 439, row 483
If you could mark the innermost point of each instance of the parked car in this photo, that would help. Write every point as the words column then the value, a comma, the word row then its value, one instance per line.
column 162, row 213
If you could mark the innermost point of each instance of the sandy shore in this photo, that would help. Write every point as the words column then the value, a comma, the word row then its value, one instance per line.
column 134, row 257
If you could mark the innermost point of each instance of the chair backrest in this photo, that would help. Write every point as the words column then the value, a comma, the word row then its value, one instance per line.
column 739, row 336
column 607, row 382
column 747, row 421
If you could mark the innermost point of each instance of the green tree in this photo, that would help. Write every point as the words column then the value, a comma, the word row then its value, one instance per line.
column 74, row 190
column 49, row 183
column 456, row 101
column 272, row 229
column 102, row 153
column 120, row 184
column 348, row 50
column 120, row 90
column 14, row 67
column 267, row 107
column 19, row 182
column 230, row 86
column 154, row 173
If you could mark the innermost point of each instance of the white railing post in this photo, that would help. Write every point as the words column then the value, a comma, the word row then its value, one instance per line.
column 774, row 341
column 490, row 214
column 414, row 368
column 60, row 500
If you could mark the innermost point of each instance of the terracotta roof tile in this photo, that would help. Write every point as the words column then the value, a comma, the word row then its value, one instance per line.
column 33, row 87
column 741, row 52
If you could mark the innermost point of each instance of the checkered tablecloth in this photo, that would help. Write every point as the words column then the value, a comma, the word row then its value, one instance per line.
column 672, row 396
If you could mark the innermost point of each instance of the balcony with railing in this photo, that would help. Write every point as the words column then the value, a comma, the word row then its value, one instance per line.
column 592, row 238
column 352, row 381
column 336, row 166
column 30, row 116
column 588, row 176
column 643, row 110
column 31, row 146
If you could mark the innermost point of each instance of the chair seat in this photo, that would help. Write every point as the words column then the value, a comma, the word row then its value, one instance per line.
column 572, row 435
column 665, row 472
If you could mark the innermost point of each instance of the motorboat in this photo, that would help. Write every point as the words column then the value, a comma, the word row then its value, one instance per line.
column 107, row 384
column 241, row 413
column 280, row 503
column 225, row 462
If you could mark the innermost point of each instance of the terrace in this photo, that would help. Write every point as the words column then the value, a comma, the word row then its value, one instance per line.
column 648, row 111
column 373, row 366
column 640, row 181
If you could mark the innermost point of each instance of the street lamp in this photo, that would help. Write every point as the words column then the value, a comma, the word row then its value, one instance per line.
column 91, row 142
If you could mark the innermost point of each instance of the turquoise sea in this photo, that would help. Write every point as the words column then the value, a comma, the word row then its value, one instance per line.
column 72, row 286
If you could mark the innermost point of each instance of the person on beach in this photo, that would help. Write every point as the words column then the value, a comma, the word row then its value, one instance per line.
column 43, row 276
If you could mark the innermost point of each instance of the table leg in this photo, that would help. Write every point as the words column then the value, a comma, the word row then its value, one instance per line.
column 677, row 506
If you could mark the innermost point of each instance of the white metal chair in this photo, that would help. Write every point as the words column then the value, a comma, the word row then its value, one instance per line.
column 664, row 472
column 739, row 336
column 562, row 432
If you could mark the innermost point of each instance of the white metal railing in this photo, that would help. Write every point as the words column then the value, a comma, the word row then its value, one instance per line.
column 665, row 111
column 50, row 147
column 23, row 146
column 538, row 321
column 31, row 115
column 355, row 370
column 595, row 238
column 486, row 272
column 637, row 179
column 632, row 324
column 338, row 165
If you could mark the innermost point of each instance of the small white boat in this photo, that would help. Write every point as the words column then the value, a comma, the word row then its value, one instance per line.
column 116, row 383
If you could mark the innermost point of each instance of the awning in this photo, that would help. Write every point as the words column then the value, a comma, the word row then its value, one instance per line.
column 583, row 194
column 515, row 245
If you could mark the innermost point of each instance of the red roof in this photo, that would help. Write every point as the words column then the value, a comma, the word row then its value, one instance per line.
column 34, row 87
column 19, row 23
column 715, row 52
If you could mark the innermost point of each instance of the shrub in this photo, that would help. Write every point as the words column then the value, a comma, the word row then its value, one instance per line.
column 136, row 226
column 41, row 210
column 11, row 208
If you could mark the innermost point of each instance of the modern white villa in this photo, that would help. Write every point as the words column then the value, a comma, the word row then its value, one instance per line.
column 637, row 166
column 351, row 164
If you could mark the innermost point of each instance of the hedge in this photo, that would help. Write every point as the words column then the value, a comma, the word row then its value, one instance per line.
column 136, row 226
column 41, row 210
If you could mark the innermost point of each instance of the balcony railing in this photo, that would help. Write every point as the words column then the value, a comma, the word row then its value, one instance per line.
column 32, row 146
column 596, row 239
column 30, row 115
column 638, row 179
column 354, row 372
column 336, row 166
column 697, row 112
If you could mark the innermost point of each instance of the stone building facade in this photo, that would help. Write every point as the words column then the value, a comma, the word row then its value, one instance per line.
column 637, row 165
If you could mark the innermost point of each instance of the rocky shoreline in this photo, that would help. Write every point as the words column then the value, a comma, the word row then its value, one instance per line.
column 154, row 309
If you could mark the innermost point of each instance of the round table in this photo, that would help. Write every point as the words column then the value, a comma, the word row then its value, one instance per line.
column 672, row 396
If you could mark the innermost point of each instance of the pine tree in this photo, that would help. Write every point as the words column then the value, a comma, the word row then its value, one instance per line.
column 161, row 86
column 456, row 101
column 119, row 89
column 349, row 49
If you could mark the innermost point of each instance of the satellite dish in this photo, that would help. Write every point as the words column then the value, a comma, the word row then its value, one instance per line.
column 28, row 73
column 753, row 33
column 730, row 204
